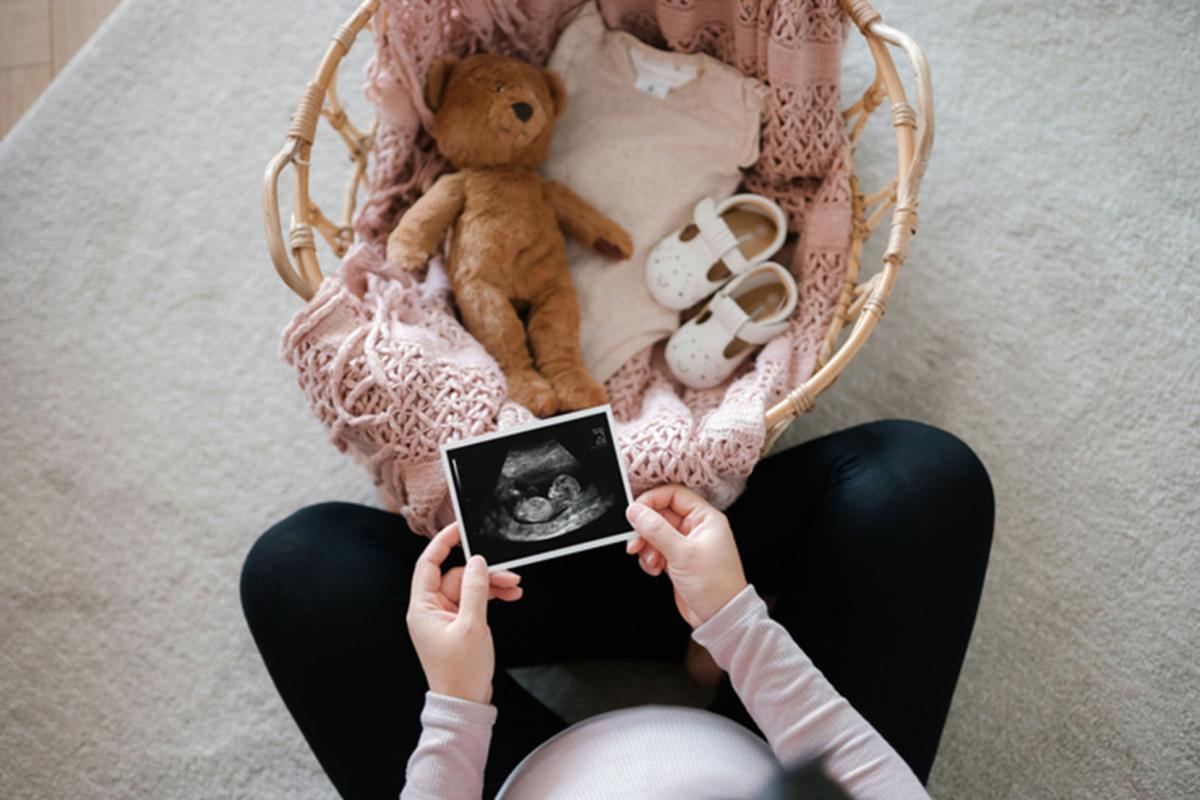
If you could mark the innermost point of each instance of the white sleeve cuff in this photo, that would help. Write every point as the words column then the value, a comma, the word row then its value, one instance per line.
column 446, row 710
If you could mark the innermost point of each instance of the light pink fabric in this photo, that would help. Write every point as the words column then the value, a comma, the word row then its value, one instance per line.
column 668, row 753
column 620, row 147
column 395, row 375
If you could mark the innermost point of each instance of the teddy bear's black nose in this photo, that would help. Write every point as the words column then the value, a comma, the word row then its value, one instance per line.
column 523, row 111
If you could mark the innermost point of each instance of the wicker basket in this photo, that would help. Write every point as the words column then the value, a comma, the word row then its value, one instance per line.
column 862, row 302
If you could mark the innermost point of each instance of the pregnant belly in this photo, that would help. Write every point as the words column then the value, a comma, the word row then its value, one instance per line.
column 696, row 754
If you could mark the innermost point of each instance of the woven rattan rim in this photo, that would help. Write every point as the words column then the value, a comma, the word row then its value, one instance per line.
column 861, row 304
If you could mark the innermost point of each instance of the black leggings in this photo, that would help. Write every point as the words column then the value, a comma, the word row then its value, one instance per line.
column 874, row 541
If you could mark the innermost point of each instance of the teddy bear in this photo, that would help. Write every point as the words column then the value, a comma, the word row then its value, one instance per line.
column 493, row 121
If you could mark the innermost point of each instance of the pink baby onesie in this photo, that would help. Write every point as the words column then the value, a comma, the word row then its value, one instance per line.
column 646, row 134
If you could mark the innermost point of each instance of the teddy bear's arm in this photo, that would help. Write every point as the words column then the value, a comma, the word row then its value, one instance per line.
column 578, row 218
column 424, row 224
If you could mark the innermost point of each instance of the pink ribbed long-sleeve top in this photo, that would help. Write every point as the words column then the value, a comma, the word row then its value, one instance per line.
column 667, row 752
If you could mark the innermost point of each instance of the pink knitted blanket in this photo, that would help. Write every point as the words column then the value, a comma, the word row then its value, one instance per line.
column 394, row 375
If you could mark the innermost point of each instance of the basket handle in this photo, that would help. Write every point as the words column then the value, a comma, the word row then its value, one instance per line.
column 306, row 278
column 904, row 217
column 914, row 141
column 270, row 203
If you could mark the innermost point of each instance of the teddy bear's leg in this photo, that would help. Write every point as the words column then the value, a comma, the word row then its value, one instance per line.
column 554, row 338
column 491, row 318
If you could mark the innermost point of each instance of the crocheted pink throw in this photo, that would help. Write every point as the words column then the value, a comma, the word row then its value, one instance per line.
column 394, row 375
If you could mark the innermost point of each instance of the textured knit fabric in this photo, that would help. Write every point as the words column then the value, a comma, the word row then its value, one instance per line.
column 394, row 375
column 668, row 753
column 643, row 160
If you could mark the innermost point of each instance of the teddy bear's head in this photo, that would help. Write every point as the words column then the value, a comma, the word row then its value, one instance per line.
column 493, row 110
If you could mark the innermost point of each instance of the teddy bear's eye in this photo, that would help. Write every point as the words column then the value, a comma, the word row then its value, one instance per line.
column 499, row 86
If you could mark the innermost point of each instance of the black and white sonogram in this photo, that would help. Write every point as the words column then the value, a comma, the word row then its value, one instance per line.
column 548, row 489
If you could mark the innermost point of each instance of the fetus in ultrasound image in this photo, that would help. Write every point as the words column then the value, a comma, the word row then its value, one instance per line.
column 542, row 492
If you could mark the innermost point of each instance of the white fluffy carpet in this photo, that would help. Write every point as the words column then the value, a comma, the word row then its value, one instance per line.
column 1047, row 315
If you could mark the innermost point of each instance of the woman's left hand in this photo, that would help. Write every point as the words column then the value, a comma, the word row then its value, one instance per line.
column 447, row 619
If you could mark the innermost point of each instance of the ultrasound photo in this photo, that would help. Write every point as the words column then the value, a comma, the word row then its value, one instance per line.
column 555, row 487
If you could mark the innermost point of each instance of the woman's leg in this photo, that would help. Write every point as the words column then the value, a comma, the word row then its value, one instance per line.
column 874, row 541
column 325, row 592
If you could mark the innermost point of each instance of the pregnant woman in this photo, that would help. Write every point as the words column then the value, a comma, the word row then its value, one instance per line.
column 868, row 546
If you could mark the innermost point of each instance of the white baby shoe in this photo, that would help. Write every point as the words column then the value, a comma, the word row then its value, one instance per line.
column 749, row 311
column 722, row 242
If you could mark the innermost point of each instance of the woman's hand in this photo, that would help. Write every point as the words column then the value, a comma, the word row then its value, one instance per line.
column 447, row 619
column 681, row 532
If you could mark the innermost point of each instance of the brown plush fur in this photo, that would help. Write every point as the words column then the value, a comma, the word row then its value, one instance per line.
column 494, row 118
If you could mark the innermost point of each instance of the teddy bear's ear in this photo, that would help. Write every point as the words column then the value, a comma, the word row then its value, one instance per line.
column 558, row 92
column 437, row 78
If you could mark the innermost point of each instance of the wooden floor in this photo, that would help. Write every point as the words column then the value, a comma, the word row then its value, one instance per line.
column 37, row 39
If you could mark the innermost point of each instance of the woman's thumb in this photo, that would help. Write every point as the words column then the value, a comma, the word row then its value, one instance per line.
column 472, row 601
column 651, row 526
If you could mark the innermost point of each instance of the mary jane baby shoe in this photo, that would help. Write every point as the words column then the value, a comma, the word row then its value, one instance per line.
column 747, row 312
column 722, row 241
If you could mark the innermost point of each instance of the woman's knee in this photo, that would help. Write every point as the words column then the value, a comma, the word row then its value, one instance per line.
column 906, row 471
column 947, row 460
column 287, row 555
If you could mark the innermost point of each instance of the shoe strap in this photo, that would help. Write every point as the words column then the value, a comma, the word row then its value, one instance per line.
column 730, row 316
column 720, row 240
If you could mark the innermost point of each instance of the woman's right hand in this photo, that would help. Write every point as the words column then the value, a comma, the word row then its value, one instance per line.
column 675, row 524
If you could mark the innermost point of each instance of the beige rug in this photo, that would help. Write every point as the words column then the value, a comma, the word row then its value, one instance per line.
column 148, row 433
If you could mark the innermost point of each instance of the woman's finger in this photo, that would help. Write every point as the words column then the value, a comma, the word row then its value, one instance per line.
column 505, row 578
column 673, row 497
column 673, row 519
column 650, row 525
column 452, row 582
column 472, row 605
column 635, row 545
column 508, row 595
column 651, row 561
column 427, row 572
